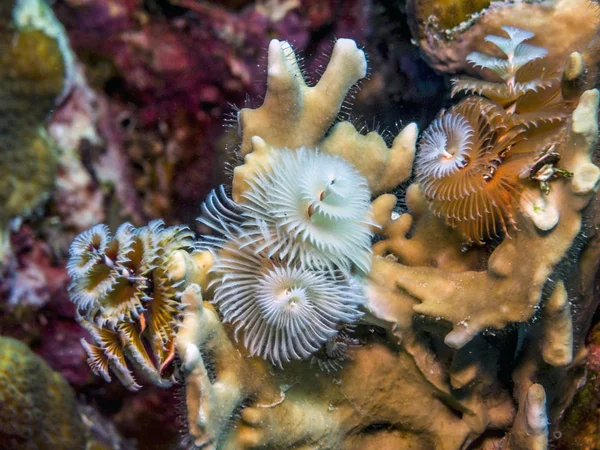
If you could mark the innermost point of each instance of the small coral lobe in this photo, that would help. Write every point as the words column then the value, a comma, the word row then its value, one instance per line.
column 580, row 425
column 127, row 299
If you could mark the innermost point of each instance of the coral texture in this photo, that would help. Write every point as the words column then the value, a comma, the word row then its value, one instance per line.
column 411, row 280
column 37, row 405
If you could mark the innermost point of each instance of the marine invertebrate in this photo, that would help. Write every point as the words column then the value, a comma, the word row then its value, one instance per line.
column 205, row 336
column 126, row 297
column 312, row 207
column 282, row 267
column 524, row 86
column 425, row 273
column 315, row 109
column 437, row 313
column 445, row 146
column 443, row 288
column 462, row 169
column 284, row 309
column 87, row 249
column 476, row 159
column 562, row 208
column 332, row 355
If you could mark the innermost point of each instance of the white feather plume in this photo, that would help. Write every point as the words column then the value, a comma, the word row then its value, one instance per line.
column 311, row 206
column 444, row 147
column 284, row 311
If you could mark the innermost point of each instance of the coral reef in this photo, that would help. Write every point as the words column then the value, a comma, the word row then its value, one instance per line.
column 324, row 311
column 115, row 163
column 38, row 407
column 486, row 338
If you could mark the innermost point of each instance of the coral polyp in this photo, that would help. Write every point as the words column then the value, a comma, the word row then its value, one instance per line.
column 284, row 310
column 311, row 206
column 126, row 299
column 461, row 168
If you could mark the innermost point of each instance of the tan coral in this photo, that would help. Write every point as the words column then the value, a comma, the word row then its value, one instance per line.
column 290, row 410
column 557, row 23
column 311, row 395
column 446, row 295
column 290, row 100
column 385, row 168
column 557, row 341
column 312, row 111
column 530, row 431
column 210, row 403
column 435, row 347
column 421, row 268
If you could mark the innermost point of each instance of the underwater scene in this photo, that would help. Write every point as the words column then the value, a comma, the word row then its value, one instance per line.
column 299, row 224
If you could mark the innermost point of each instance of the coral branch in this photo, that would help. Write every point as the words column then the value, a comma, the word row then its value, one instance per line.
column 293, row 114
column 557, row 341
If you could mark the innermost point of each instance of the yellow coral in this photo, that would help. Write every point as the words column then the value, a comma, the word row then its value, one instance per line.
column 37, row 405
column 34, row 67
